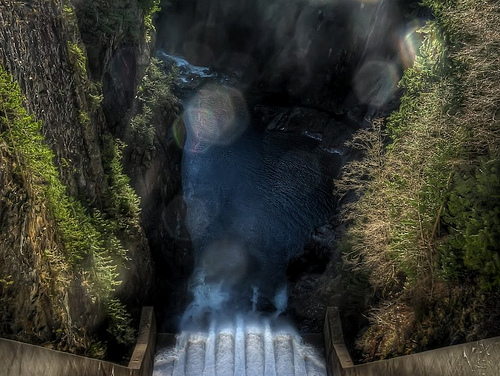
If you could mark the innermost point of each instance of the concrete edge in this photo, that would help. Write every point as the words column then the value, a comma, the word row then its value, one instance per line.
column 142, row 359
column 478, row 357
column 24, row 359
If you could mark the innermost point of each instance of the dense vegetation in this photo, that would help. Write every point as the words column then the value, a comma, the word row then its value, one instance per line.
column 105, row 25
column 75, row 255
column 425, row 231
column 157, row 105
column 88, row 249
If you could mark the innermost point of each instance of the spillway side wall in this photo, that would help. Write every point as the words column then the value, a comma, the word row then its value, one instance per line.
column 22, row 359
column 479, row 357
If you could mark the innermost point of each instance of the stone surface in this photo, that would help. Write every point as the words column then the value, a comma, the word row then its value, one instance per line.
column 40, row 46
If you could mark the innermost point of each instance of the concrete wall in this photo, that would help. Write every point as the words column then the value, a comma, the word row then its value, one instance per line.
column 22, row 359
column 481, row 358
column 142, row 360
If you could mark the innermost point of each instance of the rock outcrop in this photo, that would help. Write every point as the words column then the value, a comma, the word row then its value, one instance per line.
column 46, row 301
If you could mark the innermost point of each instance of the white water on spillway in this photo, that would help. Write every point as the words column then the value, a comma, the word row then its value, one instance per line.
column 246, row 346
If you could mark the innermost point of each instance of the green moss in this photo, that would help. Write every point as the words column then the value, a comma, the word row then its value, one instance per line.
column 78, row 59
column 120, row 323
column 95, row 96
column 83, row 243
column 149, row 8
column 123, row 203
column 88, row 238
column 84, row 118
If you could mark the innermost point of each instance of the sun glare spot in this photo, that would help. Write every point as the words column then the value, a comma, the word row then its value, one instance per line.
column 409, row 43
column 217, row 115
column 375, row 82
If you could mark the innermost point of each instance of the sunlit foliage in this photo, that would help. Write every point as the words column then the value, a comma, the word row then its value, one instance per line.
column 426, row 228
column 90, row 250
column 156, row 105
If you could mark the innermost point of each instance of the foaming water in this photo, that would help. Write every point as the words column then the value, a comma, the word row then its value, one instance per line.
column 247, row 345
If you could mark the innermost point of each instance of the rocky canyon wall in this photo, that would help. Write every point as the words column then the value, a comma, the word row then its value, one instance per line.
column 45, row 287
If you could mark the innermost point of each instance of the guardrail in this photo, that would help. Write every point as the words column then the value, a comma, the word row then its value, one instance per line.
column 22, row 359
column 481, row 358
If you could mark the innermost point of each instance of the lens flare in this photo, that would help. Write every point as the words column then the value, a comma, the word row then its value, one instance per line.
column 217, row 115
column 375, row 82
column 409, row 43
column 179, row 132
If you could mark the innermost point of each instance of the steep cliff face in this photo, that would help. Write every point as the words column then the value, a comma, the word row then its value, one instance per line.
column 141, row 110
column 41, row 49
column 43, row 299
column 68, row 252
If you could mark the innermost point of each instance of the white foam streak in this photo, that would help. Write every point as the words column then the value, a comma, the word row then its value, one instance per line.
column 210, row 352
column 270, row 362
column 239, row 346
column 248, row 346
column 180, row 360
column 298, row 360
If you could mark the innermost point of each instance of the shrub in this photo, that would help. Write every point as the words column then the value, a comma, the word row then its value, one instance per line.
column 123, row 202
column 473, row 222
column 158, row 105
column 432, row 193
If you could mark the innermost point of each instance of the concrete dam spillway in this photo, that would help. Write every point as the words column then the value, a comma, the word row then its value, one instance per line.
column 244, row 346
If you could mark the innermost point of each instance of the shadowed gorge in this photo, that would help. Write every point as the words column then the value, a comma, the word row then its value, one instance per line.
column 237, row 168
column 252, row 201
column 258, row 164
column 262, row 148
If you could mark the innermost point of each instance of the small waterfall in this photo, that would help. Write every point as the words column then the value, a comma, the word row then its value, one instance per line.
column 249, row 345
column 219, row 340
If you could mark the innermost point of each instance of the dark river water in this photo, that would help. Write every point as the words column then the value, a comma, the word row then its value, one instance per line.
column 252, row 200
